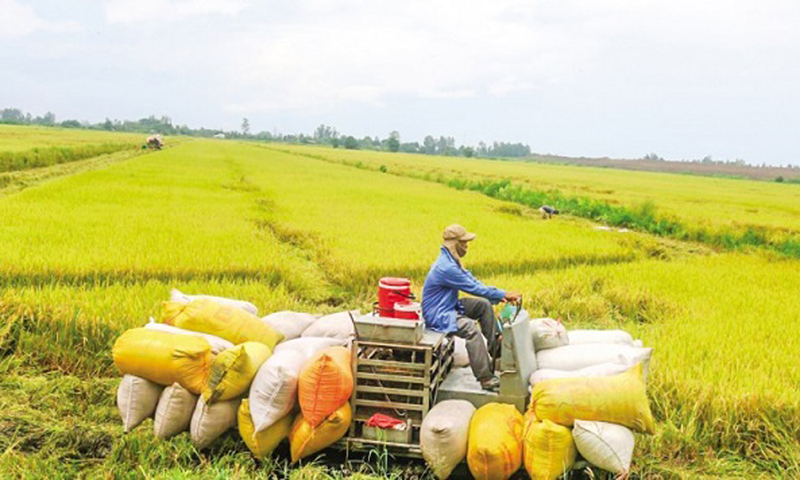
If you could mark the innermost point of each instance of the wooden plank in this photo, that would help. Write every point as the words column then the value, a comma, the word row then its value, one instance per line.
column 392, row 364
column 399, row 346
column 390, row 391
column 354, row 368
column 396, row 405
column 410, row 446
column 391, row 378
column 426, row 402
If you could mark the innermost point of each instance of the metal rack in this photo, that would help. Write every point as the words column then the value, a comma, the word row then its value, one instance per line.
column 398, row 368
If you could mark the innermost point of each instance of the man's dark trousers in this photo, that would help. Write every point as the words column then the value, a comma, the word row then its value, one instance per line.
column 481, row 310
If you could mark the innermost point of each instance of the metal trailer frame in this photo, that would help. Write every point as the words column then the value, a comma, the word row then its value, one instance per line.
column 410, row 386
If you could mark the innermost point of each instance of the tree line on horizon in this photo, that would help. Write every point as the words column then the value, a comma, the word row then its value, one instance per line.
column 327, row 135
column 323, row 135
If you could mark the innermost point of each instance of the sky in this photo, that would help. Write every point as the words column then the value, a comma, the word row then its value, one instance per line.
column 619, row 78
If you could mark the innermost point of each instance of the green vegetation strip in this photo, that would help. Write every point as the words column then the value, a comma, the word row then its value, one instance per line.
column 43, row 157
column 644, row 218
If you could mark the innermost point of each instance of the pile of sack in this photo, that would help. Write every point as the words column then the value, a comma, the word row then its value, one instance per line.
column 211, row 364
column 592, row 416
column 588, row 397
column 583, row 353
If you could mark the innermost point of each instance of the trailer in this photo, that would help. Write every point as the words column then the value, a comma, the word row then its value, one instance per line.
column 402, row 370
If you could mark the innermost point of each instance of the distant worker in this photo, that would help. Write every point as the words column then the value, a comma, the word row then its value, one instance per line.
column 444, row 312
column 548, row 211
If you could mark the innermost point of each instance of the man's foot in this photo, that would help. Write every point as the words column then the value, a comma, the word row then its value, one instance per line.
column 491, row 384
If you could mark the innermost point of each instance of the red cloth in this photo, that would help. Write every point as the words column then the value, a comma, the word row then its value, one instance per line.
column 385, row 421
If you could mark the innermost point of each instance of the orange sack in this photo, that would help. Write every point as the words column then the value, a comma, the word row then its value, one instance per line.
column 325, row 384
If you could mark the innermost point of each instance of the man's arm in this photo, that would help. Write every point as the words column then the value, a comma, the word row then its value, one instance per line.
column 464, row 281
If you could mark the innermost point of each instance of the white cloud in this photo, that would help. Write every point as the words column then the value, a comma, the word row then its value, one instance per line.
column 131, row 11
column 594, row 74
column 18, row 20
column 440, row 50
column 325, row 54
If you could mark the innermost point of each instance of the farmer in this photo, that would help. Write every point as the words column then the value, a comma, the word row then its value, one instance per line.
column 548, row 211
column 444, row 312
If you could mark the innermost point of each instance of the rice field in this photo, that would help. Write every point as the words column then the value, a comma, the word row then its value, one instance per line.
column 90, row 253
column 15, row 138
column 713, row 205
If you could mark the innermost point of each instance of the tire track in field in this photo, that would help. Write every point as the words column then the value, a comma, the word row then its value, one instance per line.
column 17, row 181
column 313, row 282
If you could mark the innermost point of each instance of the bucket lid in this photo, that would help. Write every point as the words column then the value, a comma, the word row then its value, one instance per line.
column 407, row 306
column 395, row 282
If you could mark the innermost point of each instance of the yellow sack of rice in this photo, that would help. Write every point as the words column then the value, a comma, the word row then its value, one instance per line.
column 225, row 321
column 494, row 450
column 233, row 370
column 528, row 419
column 306, row 440
column 262, row 443
column 164, row 358
column 617, row 399
column 548, row 450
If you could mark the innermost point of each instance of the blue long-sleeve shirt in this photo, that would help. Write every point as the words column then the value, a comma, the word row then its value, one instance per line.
column 440, row 304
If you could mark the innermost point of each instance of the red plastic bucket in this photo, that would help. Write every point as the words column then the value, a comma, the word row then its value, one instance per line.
column 407, row 310
column 392, row 290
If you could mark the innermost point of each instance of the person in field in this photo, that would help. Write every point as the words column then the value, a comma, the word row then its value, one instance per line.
column 444, row 312
column 548, row 211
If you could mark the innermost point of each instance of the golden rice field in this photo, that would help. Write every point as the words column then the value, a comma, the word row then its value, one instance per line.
column 714, row 204
column 17, row 138
column 90, row 253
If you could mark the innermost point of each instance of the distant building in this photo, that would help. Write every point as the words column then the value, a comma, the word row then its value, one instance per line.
column 219, row 135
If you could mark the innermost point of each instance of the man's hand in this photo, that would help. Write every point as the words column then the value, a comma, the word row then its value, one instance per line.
column 512, row 297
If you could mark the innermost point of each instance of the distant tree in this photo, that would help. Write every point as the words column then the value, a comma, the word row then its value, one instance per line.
column 350, row 142
column 367, row 143
column 393, row 142
column 410, row 147
column 49, row 118
column 482, row 151
column 245, row 126
column 429, row 144
column 71, row 124
column 108, row 125
column 12, row 115
column 780, row 179
column 446, row 146
column 325, row 134
column 708, row 159
column 502, row 149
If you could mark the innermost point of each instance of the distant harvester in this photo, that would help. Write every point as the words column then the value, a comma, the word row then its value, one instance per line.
column 155, row 141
